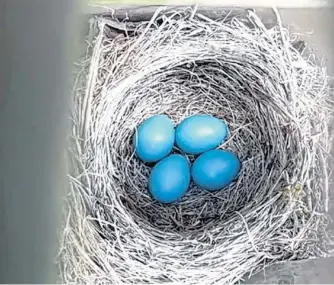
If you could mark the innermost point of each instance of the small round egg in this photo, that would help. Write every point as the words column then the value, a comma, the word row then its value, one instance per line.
column 154, row 138
column 170, row 179
column 215, row 169
column 200, row 133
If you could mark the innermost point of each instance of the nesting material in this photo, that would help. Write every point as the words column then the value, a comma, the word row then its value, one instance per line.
column 274, row 99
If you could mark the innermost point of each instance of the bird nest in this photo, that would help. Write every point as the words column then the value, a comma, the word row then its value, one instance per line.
column 274, row 99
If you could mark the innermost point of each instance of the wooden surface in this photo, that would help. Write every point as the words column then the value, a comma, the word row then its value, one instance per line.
column 144, row 13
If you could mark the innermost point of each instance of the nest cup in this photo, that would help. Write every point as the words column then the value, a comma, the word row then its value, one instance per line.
column 274, row 99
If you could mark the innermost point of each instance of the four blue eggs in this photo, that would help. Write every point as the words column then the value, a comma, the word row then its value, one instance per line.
column 197, row 135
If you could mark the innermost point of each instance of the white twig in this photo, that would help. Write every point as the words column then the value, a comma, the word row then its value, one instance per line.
column 179, row 64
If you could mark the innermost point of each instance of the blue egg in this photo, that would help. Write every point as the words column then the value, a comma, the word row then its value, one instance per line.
column 154, row 138
column 169, row 179
column 200, row 133
column 215, row 169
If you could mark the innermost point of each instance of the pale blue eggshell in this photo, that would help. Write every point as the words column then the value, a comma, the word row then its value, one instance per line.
column 154, row 138
column 200, row 133
column 170, row 179
column 215, row 169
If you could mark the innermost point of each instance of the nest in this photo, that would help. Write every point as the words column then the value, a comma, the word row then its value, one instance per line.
column 274, row 99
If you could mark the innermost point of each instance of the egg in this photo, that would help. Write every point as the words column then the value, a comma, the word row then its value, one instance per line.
column 154, row 138
column 215, row 169
column 200, row 133
column 170, row 179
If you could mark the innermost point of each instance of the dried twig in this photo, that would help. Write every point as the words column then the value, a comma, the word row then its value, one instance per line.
column 182, row 64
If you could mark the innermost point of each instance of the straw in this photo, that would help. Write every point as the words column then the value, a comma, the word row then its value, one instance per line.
column 275, row 100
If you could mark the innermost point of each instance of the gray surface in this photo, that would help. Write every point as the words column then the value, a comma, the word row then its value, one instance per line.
column 34, row 98
column 318, row 24
column 299, row 272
